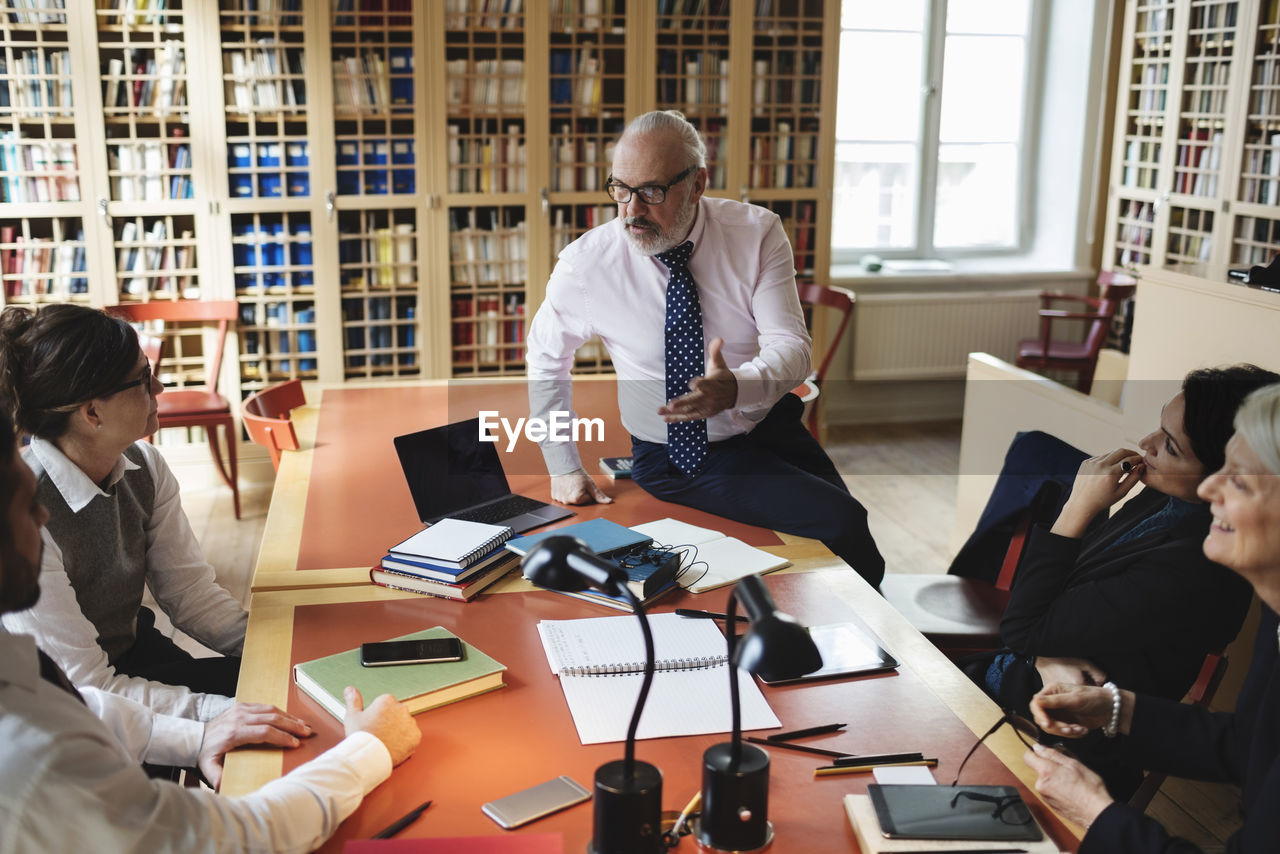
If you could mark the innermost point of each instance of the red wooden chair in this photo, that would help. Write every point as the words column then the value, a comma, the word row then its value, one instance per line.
column 1047, row 354
column 198, row 406
column 838, row 299
column 266, row 418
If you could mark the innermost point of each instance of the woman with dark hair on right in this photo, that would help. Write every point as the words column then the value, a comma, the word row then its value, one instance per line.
column 1177, row 738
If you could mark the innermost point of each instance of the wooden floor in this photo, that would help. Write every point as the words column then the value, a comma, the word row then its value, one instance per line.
column 906, row 475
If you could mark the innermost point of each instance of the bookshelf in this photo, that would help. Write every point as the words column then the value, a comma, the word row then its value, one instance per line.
column 382, row 185
column 1196, row 158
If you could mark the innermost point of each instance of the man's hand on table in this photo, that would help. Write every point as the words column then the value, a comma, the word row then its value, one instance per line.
column 710, row 394
column 577, row 487
column 387, row 720
column 246, row 723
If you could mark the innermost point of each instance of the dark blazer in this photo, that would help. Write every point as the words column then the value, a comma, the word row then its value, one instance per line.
column 1243, row 748
column 1145, row 611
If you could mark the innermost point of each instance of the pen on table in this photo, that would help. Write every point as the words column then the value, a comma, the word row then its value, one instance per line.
column 877, row 759
column 400, row 824
column 833, row 770
column 801, row 733
column 707, row 615
column 970, row 851
column 803, row 748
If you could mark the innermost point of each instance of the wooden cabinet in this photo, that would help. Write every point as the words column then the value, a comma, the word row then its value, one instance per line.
column 383, row 185
column 1196, row 159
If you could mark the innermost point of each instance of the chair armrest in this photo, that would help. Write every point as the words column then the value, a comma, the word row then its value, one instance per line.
column 1047, row 297
column 1055, row 314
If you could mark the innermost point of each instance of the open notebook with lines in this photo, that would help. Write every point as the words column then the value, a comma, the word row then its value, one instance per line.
column 451, row 473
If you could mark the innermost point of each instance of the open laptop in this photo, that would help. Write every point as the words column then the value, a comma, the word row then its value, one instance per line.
column 451, row 473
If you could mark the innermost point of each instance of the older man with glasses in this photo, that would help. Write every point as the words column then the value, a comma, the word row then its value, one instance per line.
column 695, row 299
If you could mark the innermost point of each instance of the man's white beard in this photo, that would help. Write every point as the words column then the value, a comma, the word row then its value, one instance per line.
column 657, row 240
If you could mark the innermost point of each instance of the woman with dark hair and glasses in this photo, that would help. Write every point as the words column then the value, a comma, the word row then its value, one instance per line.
column 1176, row 738
column 76, row 381
column 1132, row 599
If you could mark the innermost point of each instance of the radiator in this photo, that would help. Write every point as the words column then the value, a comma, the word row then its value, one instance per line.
column 930, row 335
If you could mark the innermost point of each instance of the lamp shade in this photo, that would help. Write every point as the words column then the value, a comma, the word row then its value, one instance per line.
column 566, row 564
column 776, row 646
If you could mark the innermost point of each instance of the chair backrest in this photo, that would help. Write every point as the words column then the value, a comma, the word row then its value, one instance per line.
column 266, row 417
column 840, row 299
column 1113, row 290
column 222, row 312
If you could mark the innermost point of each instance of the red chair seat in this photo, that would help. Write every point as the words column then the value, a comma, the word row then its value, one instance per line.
column 1033, row 348
column 191, row 402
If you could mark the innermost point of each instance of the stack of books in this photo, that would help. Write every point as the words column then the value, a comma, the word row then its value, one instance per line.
column 452, row 559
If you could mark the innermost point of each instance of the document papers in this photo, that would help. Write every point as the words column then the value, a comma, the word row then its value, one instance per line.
column 709, row 558
column 600, row 662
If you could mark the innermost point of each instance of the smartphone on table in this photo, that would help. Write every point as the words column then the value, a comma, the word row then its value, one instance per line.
column 410, row 652
column 535, row 802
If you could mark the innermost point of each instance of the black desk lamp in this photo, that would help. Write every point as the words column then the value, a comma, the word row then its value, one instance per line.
column 628, row 794
column 735, row 776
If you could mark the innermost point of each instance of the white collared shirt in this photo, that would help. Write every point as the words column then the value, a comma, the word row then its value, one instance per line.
column 177, row 574
column 68, row 782
column 745, row 273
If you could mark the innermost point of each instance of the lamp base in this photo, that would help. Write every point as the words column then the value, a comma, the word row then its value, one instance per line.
column 696, row 826
column 735, row 799
column 627, row 813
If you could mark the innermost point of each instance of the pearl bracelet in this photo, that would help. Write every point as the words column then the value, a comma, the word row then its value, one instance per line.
column 1112, row 727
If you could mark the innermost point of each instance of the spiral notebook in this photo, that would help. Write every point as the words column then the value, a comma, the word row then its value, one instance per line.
column 600, row 663
column 453, row 543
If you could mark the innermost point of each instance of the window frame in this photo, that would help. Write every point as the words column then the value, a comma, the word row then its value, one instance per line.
column 930, row 118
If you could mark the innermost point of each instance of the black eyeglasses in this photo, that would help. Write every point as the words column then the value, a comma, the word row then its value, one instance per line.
column 650, row 194
column 1027, row 732
column 1009, row 809
column 144, row 381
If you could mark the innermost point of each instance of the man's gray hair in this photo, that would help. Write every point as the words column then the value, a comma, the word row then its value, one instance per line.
column 671, row 121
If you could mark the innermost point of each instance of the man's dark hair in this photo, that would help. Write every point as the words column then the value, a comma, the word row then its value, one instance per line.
column 1211, row 397
column 57, row 358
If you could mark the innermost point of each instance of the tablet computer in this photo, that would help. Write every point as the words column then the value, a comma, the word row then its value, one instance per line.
column 847, row 650
column 989, row 813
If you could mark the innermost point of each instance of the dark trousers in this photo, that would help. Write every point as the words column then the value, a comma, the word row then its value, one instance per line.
column 155, row 657
column 777, row 476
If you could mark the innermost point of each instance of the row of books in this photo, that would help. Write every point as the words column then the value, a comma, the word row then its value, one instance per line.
column 271, row 254
column 1141, row 155
column 373, row 13
column 36, row 81
column 267, row 13
column 36, row 11
column 263, row 333
column 372, row 82
column 32, row 266
column 150, row 171
column 569, row 16
column 698, row 79
column 486, row 163
column 155, row 84
column 384, row 258
column 1259, row 231
column 139, row 13
column 33, row 171
column 1133, row 239
column 576, row 82
column 148, row 260
column 484, row 326
column 1206, row 88
column 1154, row 90
column 786, row 77
column 376, row 324
column 256, row 170
column 354, row 157
column 1198, row 161
column 486, row 255
column 565, row 230
column 1188, row 248
column 578, row 163
column 784, row 159
column 1264, row 100
column 1213, row 16
column 1260, row 177
column 486, row 14
column 671, row 13
column 484, row 83
column 799, row 227
column 268, row 77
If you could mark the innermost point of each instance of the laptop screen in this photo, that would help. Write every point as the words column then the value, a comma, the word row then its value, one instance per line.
column 449, row 469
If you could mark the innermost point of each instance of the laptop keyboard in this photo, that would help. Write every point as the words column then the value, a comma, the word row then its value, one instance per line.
column 512, row 505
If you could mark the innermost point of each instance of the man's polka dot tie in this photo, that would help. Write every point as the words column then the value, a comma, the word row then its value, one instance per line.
column 686, row 440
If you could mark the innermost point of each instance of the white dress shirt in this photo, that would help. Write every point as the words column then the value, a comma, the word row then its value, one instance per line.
column 177, row 574
column 69, row 785
column 745, row 273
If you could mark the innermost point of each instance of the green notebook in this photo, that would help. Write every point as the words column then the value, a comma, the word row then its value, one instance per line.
column 418, row 686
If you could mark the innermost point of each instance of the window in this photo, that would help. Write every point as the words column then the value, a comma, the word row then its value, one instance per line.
column 931, row 130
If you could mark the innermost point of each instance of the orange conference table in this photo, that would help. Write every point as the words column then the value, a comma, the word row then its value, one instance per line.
column 492, row 745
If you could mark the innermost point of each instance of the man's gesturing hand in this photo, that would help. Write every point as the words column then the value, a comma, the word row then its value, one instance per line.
column 712, row 393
